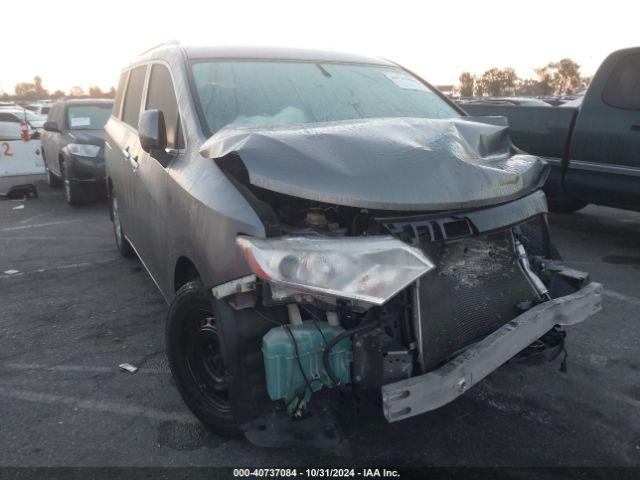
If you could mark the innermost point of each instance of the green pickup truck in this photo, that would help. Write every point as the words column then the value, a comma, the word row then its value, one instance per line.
column 594, row 148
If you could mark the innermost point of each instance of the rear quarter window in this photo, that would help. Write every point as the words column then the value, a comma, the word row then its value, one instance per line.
column 117, row 101
column 623, row 86
column 133, row 98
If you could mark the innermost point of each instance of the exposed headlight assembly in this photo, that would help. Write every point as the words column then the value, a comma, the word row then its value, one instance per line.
column 83, row 150
column 369, row 270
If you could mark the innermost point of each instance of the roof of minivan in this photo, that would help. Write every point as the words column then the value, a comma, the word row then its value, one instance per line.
column 266, row 53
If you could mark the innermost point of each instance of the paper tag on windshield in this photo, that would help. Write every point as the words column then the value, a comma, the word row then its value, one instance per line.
column 81, row 122
column 405, row 81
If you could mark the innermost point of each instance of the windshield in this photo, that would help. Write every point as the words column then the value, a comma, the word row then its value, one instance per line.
column 270, row 93
column 89, row 117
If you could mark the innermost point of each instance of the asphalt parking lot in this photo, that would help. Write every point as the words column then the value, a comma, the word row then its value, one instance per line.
column 73, row 310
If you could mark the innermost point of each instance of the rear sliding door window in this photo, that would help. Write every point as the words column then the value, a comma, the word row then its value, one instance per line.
column 133, row 98
column 623, row 87
column 162, row 96
column 117, row 101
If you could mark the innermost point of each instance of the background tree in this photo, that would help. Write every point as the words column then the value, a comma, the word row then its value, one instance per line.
column 25, row 90
column 57, row 94
column 491, row 82
column 95, row 92
column 561, row 77
column 529, row 87
column 31, row 91
column 40, row 91
column 509, row 80
column 497, row 82
column 545, row 81
column 111, row 93
column 76, row 91
column 467, row 82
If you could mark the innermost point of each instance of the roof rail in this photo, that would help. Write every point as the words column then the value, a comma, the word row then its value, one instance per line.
column 168, row 42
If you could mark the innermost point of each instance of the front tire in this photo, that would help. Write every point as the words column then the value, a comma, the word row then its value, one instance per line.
column 52, row 180
column 71, row 191
column 194, row 349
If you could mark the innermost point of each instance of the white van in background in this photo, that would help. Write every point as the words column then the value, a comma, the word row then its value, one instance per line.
column 21, row 164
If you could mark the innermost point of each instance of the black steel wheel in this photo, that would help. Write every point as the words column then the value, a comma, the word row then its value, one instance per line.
column 194, row 348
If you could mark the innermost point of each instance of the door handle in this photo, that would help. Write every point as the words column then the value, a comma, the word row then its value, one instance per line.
column 134, row 162
column 125, row 153
column 635, row 126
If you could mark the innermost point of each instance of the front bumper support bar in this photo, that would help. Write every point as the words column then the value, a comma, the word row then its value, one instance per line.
column 434, row 389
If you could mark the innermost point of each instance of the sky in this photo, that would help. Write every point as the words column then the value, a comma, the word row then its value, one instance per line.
column 70, row 42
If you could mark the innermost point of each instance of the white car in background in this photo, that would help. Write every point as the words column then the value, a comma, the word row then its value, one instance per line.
column 19, row 115
column 21, row 163
column 39, row 108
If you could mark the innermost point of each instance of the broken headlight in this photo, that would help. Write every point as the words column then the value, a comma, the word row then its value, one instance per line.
column 370, row 270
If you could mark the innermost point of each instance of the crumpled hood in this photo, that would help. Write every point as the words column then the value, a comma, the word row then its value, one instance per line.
column 387, row 163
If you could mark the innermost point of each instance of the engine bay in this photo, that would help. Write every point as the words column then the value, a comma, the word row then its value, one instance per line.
column 478, row 281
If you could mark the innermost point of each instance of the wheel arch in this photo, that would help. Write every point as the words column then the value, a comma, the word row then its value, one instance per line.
column 184, row 271
column 60, row 162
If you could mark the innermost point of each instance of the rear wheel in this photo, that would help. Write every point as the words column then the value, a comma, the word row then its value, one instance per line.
column 194, row 349
column 123, row 245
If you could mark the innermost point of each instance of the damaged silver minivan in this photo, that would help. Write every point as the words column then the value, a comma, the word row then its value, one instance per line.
column 322, row 222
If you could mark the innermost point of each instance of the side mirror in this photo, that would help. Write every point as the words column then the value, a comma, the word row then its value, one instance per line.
column 152, row 131
column 51, row 126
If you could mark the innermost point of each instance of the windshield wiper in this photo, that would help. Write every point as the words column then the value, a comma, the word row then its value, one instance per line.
column 322, row 69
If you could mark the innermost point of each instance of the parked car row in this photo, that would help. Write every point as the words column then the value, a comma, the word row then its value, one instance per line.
column 22, row 116
column 40, row 108
column 554, row 101
column 73, row 147
column 520, row 101
column 70, row 140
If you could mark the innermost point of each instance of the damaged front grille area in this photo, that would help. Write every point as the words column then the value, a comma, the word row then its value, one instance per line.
column 475, row 289
column 478, row 282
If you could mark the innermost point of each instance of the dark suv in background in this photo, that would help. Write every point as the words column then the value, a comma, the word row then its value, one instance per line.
column 73, row 147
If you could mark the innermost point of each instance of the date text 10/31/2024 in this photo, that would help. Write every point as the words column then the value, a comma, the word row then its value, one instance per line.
column 316, row 473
